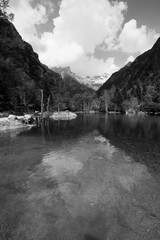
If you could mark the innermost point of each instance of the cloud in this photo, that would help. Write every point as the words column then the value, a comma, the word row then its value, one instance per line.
column 79, row 28
column 130, row 59
column 27, row 17
column 92, row 66
column 136, row 40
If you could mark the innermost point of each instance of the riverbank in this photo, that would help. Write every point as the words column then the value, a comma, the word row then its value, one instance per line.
column 9, row 123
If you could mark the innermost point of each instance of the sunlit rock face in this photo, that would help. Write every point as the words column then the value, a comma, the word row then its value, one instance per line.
column 94, row 82
column 21, row 72
column 144, row 71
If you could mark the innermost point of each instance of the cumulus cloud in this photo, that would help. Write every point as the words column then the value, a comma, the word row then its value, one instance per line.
column 136, row 40
column 92, row 66
column 79, row 28
column 27, row 17
column 130, row 59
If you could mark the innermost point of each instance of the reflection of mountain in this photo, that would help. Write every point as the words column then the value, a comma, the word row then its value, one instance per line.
column 94, row 82
column 138, row 137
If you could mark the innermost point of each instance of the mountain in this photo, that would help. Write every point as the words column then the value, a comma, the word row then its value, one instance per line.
column 72, row 82
column 94, row 82
column 22, row 75
column 63, row 71
column 140, row 80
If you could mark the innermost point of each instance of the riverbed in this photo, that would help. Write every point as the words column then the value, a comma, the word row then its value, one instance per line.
column 96, row 177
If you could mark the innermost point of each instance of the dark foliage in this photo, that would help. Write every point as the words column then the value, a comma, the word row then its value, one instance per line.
column 139, row 80
column 22, row 76
column 21, row 73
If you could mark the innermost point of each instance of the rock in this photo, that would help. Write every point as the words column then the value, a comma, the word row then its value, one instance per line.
column 12, row 117
column 66, row 115
column 20, row 118
column 6, row 124
column 27, row 116
column 100, row 139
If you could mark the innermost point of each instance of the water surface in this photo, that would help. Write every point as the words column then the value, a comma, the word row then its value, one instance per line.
column 93, row 178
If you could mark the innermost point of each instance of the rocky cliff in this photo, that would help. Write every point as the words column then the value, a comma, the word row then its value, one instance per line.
column 22, row 75
column 73, row 83
column 93, row 82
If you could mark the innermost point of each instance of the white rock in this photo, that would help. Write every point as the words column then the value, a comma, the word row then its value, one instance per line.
column 66, row 115
column 27, row 116
column 20, row 117
column 100, row 139
column 12, row 117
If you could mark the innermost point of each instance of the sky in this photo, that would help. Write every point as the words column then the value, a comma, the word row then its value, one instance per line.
column 93, row 37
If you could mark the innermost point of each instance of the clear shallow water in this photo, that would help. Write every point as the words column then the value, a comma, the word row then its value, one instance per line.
column 93, row 178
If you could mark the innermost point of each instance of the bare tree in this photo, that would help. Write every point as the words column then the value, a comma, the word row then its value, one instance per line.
column 42, row 104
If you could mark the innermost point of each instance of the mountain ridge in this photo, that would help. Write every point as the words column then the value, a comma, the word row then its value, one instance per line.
column 140, row 79
column 22, row 75
column 93, row 82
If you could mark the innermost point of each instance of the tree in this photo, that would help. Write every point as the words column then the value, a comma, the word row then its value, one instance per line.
column 4, row 5
column 132, row 103
column 106, row 97
column 105, row 101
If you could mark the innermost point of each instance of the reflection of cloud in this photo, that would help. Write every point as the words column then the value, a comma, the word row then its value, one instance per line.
column 96, row 199
column 60, row 163
column 110, row 149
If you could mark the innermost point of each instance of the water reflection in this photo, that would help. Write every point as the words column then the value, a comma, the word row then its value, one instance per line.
column 101, row 188
column 82, row 180
column 139, row 137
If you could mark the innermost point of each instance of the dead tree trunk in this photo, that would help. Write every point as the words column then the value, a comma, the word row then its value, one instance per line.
column 42, row 105
column 48, row 102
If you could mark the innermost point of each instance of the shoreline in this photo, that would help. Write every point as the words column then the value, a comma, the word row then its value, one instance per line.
column 11, row 124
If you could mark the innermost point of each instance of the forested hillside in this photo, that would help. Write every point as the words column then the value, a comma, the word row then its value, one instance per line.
column 137, row 85
column 22, row 76
column 21, row 73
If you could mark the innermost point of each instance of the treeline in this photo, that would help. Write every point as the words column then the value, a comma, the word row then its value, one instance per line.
column 139, row 98
column 19, row 93
column 136, row 85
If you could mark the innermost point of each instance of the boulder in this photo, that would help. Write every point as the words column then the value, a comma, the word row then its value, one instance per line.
column 66, row 115
column 12, row 117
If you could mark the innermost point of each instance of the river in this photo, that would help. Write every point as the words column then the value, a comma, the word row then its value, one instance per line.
column 93, row 178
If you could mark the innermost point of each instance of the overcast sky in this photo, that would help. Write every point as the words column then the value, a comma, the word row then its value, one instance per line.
column 91, row 36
